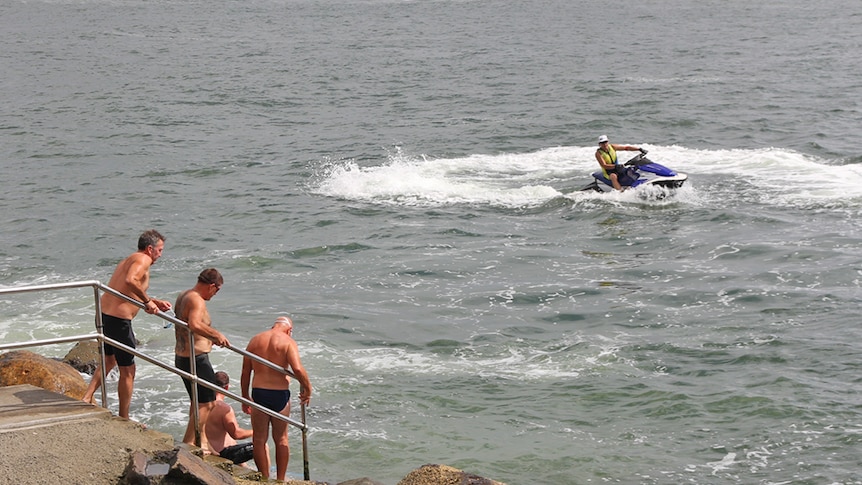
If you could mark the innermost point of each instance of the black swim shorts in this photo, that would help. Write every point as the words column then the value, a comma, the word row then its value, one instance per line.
column 204, row 371
column 239, row 453
column 120, row 330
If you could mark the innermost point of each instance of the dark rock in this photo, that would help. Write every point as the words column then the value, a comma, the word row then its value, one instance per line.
column 136, row 470
column 25, row 367
column 192, row 470
column 175, row 467
column 84, row 356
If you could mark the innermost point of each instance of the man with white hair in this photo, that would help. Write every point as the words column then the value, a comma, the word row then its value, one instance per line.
column 270, row 388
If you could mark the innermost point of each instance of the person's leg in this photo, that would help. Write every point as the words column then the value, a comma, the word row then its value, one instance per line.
column 204, row 413
column 260, row 428
column 184, row 364
column 96, row 380
column 282, row 450
column 189, row 436
column 615, row 181
column 206, row 397
column 125, row 387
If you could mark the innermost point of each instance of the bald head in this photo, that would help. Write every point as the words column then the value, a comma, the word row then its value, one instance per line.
column 283, row 321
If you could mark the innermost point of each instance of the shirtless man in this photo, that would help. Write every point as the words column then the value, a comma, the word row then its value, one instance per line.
column 270, row 388
column 223, row 430
column 131, row 278
column 191, row 307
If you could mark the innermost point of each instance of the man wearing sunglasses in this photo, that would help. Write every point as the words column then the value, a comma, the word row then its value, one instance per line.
column 191, row 307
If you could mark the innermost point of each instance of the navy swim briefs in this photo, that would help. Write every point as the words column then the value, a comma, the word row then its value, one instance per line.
column 273, row 399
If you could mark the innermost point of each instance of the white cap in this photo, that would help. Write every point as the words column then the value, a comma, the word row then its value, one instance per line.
column 603, row 139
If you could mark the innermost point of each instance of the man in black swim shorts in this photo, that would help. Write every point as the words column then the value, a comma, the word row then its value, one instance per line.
column 131, row 278
column 191, row 308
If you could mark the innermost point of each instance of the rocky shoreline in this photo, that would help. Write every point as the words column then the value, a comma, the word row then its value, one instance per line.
column 107, row 450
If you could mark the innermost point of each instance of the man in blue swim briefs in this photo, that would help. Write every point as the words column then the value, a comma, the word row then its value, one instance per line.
column 191, row 307
column 131, row 278
column 270, row 388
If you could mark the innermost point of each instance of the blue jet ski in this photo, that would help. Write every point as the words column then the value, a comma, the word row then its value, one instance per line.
column 639, row 172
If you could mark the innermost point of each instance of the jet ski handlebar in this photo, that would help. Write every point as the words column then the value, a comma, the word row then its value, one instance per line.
column 638, row 159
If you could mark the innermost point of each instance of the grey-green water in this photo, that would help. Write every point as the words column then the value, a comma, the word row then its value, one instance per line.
column 401, row 177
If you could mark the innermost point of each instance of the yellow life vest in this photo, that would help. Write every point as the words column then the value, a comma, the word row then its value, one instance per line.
column 608, row 157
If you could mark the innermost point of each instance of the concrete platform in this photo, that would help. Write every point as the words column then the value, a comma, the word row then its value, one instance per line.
column 51, row 438
column 26, row 407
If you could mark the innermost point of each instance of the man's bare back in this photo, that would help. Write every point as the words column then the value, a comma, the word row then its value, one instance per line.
column 218, row 436
column 276, row 347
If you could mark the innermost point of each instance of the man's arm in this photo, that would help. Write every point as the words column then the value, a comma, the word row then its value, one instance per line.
column 245, row 383
column 299, row 371
column 232, row 427
column 197, row 320
column 137, row 278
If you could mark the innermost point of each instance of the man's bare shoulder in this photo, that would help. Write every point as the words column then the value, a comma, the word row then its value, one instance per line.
column 137, row 258
column 221, row 407
column 192, row 299
column 282, row 341
column 270, row 345
column 256, row 340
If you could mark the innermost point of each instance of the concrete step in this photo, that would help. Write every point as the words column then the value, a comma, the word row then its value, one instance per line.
column 25, row 406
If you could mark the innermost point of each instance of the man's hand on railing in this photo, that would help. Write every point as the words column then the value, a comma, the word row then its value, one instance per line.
column 164, row 305
column 221, row 340
column 304, row 395
column 157, row 305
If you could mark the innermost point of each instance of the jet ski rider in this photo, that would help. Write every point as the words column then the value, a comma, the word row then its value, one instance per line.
column 606, row 155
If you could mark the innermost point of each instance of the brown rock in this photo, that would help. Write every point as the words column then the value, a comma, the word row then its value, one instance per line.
column 191, row 469
column 84, row 356
column 25, row 367
column 136, row 470
column 443, row 475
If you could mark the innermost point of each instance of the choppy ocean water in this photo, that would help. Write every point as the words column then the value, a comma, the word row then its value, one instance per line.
column 402, row 178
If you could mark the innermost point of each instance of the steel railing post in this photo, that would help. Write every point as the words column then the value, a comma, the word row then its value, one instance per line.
column 100, row 329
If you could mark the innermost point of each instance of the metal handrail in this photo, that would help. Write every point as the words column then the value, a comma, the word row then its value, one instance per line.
column 99, row 336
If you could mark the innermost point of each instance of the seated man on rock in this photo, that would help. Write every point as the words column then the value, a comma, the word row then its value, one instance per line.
column 223, row 430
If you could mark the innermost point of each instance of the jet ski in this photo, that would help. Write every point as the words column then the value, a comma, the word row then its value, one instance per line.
column 640, row 171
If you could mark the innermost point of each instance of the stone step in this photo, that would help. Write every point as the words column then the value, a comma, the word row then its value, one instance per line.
column 25, row 406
